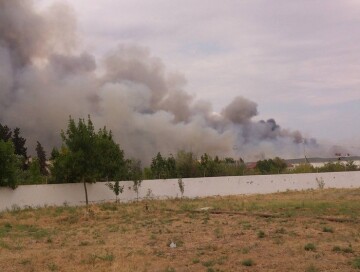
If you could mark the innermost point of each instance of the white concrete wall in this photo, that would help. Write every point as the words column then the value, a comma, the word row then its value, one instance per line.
column 73, row 194
column 321, row 164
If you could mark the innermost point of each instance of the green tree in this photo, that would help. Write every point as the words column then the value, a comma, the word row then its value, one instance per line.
column 8, row 164
column 147, row 173
column 181, row 186
column 54, row 153
column 210, row 167
column 171, row 167
column 32, row 175
column 111, row 164
column 35, row 175
column 41, row 156
column 263, row 166
column 158, row 166
column 135, row 175
column 5, row 133
column 271, row 166
column 230, row 167
column 332, row 167
column 229, row 160
column 205, row 161
column 87, row 156
column 303, row 168
column 116, row 188
column 19, row 145
column 162, row 167
column 351, row 166
column 186, row 165
column 278, row 165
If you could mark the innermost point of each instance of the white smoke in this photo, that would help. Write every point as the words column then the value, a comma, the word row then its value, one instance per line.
column 43, row 81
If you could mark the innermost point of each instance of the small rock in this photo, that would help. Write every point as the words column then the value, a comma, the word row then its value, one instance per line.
column 205, row 209
column 172, row 244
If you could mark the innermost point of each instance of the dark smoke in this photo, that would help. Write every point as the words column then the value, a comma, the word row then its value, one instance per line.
column 44, row 80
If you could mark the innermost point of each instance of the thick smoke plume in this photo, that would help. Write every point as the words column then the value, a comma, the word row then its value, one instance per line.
column 45, row 78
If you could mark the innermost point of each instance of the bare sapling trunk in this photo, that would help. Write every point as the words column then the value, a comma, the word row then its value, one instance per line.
column 86, row 194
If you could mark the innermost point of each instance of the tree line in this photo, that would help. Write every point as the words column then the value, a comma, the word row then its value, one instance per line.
column 15, row 165
column 89, row 155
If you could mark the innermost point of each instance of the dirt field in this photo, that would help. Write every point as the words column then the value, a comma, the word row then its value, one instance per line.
column 307, row 231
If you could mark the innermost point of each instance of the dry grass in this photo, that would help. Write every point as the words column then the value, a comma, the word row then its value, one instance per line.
column 294, row 231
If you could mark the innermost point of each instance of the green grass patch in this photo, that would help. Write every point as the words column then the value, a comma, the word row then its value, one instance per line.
column 247, row 262
column 4, row 245
column 356, row 263
column 209, row 263
column 328, row 229
column 343, row 249
column 312, row 268
column 261, row 234
column 32, row 231
column 5, row 229
column 310, row 247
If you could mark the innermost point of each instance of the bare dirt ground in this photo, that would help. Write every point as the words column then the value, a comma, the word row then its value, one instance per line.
column 308, row 231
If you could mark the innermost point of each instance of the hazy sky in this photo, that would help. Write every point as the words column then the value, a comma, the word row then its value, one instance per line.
column 298, row 60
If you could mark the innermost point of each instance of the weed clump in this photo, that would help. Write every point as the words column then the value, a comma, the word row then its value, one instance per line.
column 356, row 263
column 343, row 249
column 328, row 229
column 247, row 262
column 169, row 269
column 261, row 234
column 312, row 268
column 310, row 247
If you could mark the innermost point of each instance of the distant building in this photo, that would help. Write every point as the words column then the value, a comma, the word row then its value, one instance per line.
column 320, row 162
column 250, row 165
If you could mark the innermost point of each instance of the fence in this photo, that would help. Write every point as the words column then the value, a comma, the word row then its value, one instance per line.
column 73, row 193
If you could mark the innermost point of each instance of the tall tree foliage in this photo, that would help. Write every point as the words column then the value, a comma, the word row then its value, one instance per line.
column 205, row 164
column 134, row 173
column 171, row 167
column 19, row 143
column 271, row 166
column 158, row 166
column 111, row 163
column 8, row 164
column 5, row 133
column 41, row 156
column 162, row 167
column 186, row 165
column 87, row 155
column 35, row 175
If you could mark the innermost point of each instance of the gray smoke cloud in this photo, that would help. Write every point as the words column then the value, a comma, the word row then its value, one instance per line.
column 45, row 78
column 240, row 110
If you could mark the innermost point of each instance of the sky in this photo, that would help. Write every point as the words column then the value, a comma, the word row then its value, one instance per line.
column 298, row 60
column 252, row 79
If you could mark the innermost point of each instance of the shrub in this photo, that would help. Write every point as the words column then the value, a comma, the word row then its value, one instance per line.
column 344, row 249
column 261, row 234
column 310, row 247
column 336, row 249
